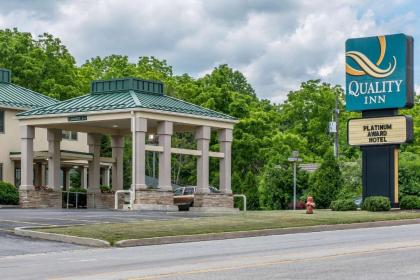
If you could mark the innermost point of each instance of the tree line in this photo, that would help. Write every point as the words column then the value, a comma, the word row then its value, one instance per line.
column 264, row 138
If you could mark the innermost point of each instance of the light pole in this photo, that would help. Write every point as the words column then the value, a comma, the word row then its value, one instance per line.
column 295, row 159
column 152, row 139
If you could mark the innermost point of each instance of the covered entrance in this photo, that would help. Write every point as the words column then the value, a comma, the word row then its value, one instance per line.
column 133, row 108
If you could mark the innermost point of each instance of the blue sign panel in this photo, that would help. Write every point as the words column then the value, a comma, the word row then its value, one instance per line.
column 379, row 72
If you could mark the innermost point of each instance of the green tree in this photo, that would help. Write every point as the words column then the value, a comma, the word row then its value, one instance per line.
column 42, row 64
column 326, row 182
column 409, row 174
column 307, row 112
column 276, row 186
column 250, row 189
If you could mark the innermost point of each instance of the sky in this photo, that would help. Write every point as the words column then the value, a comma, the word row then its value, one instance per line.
column 276, row 44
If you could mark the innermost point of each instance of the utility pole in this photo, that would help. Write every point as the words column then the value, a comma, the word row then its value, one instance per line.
column 333, row 126
column 336, row 112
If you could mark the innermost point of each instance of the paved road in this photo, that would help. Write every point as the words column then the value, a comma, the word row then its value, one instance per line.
column 376, row 253
column 14, row 245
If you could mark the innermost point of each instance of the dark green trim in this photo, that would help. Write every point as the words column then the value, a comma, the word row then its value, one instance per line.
column 124, row 84
column 5, row 75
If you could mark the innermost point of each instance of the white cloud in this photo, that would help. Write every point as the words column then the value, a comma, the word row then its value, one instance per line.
column 276, row 44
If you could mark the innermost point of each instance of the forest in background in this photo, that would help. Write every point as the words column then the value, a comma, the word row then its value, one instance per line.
column 264, row 138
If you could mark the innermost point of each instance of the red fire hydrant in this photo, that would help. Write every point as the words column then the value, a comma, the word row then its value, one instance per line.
column 310, row 205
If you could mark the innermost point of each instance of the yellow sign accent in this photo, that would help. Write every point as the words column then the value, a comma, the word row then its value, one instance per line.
column 367, row 66
column 396, row 175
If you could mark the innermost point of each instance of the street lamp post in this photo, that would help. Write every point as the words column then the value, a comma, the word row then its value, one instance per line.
column 153, row 140
column 295, row 159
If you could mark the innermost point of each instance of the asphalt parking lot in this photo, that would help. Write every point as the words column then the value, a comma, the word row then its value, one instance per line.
column 10, row 218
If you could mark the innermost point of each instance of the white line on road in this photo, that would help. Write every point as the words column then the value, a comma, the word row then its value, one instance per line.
column 23, row 222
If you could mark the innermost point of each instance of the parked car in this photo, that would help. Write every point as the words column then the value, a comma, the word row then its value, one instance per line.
column 184, row 197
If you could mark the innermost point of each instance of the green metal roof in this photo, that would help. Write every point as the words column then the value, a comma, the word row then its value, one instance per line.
column 14, row 96
column 126, row 93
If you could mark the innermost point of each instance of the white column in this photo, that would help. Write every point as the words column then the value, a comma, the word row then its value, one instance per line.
column 203, row 141
column 225, row 142
column 38, row 174
column 140, row 129
column 94, row 143
column 165, row 131
column 117, row 144
column 43, row 171
column 67, row 177
column 27, row 134
column 83, row 177
column 105, row 176
column 54, row 154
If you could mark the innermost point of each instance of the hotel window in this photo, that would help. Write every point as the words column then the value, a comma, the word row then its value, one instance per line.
column 70, row 135
column 1, row 121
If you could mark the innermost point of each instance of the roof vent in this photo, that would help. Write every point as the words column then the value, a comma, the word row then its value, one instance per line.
column 5, row 75
column 125, row 84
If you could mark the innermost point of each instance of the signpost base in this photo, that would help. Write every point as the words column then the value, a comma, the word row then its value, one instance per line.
column 380, row 172
column 380, row 165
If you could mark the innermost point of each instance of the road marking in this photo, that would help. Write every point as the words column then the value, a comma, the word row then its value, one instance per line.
column 267, row 263
column 73, row 220
column 22, row 222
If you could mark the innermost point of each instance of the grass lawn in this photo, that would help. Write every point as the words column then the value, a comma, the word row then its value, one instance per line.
column 240, row 222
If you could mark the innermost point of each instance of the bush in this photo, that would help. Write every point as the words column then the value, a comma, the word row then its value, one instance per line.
column 376, row 203
column 409, row 202
column 106, row 189
column 275, row 186
column 9, row 194
column 343, row 205
column 326, row 182
column 409, row 175
column 299, row 205
column 74, row 189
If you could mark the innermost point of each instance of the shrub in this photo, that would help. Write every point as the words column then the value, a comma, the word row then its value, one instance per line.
column 409, row 175
column 409, row 202
column 376, row 203
column 106, row 189
column 75, row 189
column 325, row 183
column 299, row 205
column 276, row 186
column 343, row 205
column 9, row 194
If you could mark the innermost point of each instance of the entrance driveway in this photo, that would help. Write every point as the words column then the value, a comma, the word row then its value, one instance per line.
column 11, row 244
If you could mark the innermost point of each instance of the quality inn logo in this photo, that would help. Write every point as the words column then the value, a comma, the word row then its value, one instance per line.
column 367, row 66
column 379, row 72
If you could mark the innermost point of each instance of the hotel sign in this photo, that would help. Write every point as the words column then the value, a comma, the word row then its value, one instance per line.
column 77, row 118
column 380, row 131
column 379, row 72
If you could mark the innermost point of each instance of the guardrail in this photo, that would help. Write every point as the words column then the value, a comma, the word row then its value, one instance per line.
column 132, row 197
column 244, row 199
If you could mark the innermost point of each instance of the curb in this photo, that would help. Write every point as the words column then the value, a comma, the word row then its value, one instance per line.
column 256, row 233
column 27, row 232
column 4, row 206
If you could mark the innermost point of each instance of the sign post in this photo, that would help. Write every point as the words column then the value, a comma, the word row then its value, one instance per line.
column 295, row 159
column 379, row 81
